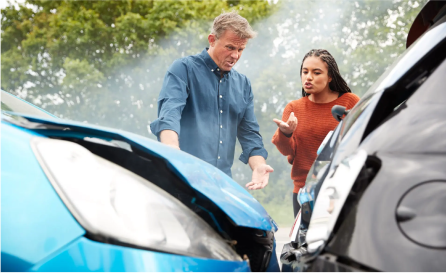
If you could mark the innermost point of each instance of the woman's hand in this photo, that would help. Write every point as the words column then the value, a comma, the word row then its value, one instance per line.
column 287, row 127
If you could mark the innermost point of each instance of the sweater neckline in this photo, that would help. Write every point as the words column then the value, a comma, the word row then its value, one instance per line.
column 322, row 103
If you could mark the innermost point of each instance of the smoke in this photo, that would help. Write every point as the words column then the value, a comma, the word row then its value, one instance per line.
column 340, row 27
column 360, row 35
column 364, row 37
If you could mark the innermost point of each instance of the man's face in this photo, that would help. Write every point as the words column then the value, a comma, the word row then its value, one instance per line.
column 227, row 50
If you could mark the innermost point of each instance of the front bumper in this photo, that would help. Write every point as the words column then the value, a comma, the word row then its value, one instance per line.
column 86, row 255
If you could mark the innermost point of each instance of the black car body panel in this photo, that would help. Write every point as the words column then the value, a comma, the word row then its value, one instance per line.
column 370, row 234
column 411, row 145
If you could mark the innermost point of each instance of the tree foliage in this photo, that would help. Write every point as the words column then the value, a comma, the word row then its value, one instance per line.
column 103, row 62
column 78, row 59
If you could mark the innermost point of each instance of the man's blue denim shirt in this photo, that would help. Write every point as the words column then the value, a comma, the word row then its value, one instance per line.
column 208, row 112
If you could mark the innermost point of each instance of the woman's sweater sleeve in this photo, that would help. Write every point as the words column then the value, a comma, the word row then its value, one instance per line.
column 284, row 144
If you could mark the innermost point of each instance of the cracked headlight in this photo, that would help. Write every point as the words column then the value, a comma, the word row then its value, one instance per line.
column 117, row 205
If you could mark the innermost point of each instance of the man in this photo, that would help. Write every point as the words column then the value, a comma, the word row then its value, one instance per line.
column 204, row 104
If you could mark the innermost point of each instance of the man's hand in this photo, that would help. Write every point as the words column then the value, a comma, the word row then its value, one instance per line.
column 287, row 127
column 260, row 177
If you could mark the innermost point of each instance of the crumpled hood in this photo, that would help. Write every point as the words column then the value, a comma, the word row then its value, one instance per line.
column 240, row 206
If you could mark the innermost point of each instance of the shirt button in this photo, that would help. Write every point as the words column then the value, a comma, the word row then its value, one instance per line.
column 221, row 111
column 218, row 69
column 220, row 80
column 218, row 157
column 221, row 96
column 221, row 142
column 212, row 70
column 221, row 126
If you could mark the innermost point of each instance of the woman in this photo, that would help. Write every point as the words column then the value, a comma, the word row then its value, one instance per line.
column 306, row 121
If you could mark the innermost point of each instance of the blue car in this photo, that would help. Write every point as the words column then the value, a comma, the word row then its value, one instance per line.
column 78, row 197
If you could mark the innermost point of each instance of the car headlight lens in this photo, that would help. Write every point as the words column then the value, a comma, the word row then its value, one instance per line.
column 113, row 203
column 332, row 195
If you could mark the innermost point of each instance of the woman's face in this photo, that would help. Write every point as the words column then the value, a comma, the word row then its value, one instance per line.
column 315, row 77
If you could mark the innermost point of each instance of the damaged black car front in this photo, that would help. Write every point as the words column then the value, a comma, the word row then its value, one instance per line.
column 374, row 198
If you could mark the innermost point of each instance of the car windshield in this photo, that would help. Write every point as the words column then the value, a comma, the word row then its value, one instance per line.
column 13, row 104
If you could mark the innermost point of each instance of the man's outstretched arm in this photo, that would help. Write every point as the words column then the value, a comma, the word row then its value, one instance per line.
column 252, row 145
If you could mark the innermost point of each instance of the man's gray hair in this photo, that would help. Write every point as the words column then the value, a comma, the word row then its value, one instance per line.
column 232, row 21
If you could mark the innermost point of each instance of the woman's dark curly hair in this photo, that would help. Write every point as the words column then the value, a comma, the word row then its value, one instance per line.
column 338, row 83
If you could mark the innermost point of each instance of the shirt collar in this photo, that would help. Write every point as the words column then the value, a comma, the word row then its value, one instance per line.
column 211, row 64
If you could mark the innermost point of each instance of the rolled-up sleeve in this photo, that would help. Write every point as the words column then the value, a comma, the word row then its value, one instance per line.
column 248, row 132
column 172, row 100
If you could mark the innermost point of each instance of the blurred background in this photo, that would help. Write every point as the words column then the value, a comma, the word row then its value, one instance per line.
column 103, row 62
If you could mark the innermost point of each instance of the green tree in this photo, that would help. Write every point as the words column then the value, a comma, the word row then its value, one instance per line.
column 103, row 61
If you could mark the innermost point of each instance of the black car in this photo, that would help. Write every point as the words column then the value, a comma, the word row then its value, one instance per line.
column 375, row 198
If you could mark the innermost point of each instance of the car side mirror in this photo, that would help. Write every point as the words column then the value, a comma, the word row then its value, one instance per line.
column 338, row 112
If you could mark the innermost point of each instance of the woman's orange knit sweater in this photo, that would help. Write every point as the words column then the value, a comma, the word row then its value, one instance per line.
column 314, row 121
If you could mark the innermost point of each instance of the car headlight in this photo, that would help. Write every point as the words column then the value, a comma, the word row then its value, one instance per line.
column 332, row 195
column 113, row 203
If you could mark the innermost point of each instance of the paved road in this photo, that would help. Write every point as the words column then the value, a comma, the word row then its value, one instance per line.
column 281, row 239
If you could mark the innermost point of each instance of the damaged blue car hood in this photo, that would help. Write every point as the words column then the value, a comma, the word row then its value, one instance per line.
column 240, row 206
